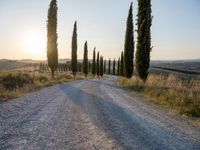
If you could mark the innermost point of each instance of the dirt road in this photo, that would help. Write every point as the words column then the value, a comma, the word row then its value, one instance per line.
column 91, row 114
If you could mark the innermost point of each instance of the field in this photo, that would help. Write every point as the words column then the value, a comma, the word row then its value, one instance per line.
column 174, row 85
column 183, row 69
column 169, row 91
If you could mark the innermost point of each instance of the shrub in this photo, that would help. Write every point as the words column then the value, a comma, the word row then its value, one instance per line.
column 17, row 80
column 9, row 82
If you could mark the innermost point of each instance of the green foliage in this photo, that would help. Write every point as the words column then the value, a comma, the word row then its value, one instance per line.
column 122, row 64
column 52, row 50
column 118, row 67
column 74, row 50
column 104, row 67
column 109, row 65
column 89, row 66
column 101, row 67
column 98, row 65
column 85, row 59
column 144, row 22
column 114, row 67
column 94, row 62
column 129, row 45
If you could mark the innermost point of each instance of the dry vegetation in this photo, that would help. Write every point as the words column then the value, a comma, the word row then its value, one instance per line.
column 16, row 83
column 182, row 95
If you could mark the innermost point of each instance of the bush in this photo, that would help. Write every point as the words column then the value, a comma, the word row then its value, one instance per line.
column 16, row 80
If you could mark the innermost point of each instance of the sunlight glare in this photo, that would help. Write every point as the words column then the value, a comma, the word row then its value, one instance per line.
column 35, row 43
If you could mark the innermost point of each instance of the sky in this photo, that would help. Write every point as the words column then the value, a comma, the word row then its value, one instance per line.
column 175, row 28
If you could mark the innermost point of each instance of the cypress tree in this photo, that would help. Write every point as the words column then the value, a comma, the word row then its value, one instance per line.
column 109, row 63
column 79, row 67
column 122, row 64
column 98, row 71
column 114, row 67
column 118, row 67
column 104, row 67
column 85, row 60
column 144, row 22
column 89, row 67
column 74, row 50
column 52, row 49
column 101, row 66
column 129, row 45
column 94, row 62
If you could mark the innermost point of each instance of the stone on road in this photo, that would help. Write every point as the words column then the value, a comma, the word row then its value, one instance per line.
column 91, row 114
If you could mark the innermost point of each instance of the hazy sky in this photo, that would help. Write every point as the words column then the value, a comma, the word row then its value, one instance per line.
column 175, row 30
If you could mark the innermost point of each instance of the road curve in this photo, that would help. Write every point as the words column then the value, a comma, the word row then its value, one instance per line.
column 91, row 114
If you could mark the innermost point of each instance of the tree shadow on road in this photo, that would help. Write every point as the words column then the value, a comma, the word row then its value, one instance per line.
column 128, row 132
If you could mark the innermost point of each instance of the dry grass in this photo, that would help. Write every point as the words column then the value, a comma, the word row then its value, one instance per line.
column 177, row 94
column 17, row 83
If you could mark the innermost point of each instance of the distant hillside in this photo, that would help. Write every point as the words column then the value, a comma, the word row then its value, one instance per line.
column 12, row 64
column 183, row 68
column 185, row 65
column 6, row 64
column 181, row 65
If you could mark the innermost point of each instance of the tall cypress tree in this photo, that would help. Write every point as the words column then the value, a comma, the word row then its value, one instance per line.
column 129, row 45
column 144, row 22
column 118, row 67
column 114, row 67
column 89, row 67
column 74, row 50
column 104, row 66
column 94, row 62
column 101, row 66
column 122, row 64
column 85, row 60
column 98, row 71
column 109, row 63
column 52, row 49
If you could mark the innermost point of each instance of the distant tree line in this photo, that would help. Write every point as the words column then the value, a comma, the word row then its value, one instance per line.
column 124, row 66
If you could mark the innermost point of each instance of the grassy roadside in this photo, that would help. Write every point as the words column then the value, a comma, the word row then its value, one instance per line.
column 180, row 95
column 16, row 83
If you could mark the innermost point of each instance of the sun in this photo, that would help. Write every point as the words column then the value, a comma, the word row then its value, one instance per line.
column 35, row 43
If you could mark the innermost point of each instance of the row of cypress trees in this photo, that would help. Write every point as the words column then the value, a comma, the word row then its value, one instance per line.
column 98, row 64
column 52, row 50
column 125, row 63
column 114, row 67
column 143, row 47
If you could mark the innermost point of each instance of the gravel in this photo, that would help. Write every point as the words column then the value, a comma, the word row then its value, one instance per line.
column 92, row 114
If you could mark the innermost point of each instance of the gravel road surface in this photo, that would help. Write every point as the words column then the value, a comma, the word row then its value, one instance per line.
column 91, row 114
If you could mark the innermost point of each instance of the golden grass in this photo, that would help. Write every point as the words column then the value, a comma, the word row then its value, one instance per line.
column 38, row 81
column 177, row 94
